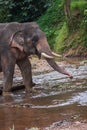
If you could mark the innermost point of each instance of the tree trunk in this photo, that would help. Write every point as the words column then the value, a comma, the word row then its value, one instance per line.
column 67, row 9
column 68, row 14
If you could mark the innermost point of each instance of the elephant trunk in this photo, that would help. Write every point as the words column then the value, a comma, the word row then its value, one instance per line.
column 44, row 49
column 56, row 67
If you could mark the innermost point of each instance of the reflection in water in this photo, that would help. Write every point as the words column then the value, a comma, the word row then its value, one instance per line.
column 57, row 98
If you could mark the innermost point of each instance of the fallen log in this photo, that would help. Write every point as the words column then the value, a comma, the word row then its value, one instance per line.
column 14, row 88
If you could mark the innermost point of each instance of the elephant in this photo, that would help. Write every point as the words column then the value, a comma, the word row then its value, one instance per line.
column 18, row 41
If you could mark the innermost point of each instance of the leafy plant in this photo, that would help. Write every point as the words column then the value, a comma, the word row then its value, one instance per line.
column 79, row 4
column 52, row 20
column 63, row 33
column 25, row 10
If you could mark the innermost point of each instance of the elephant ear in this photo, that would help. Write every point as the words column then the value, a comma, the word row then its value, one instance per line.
column 17, row 40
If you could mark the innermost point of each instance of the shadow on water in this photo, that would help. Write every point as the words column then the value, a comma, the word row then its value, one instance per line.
column 57, row 98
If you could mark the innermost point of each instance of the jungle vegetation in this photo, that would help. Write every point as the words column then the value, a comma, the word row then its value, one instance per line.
column 63, row 21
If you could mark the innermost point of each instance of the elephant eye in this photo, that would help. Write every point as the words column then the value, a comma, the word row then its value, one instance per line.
column 35, row 39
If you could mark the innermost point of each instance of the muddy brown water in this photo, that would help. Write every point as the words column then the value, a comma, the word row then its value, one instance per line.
column 56, row 100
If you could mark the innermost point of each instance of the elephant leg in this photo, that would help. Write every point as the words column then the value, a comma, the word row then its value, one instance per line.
column 25, row 67
column 8, row 63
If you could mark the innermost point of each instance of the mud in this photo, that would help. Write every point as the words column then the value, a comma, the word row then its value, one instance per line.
column 58, row 102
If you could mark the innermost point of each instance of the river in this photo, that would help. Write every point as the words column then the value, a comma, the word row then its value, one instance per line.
column 57, row 100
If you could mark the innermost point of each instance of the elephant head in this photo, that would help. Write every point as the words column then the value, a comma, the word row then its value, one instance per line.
column 31, row 40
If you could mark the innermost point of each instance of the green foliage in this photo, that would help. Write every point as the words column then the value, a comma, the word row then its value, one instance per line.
column 79, row 4
column 84, row 39
column 25, row 10
column 5, row 7
column 54, row 14
column 52, row 20
column 54, row 24
column 80, row 7
column 84, row 21
column 77, row 14
column 63, row 34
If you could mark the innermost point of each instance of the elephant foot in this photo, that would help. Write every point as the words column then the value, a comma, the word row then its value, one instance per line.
column 33, row 90
column 30, row 91
column 33, row 84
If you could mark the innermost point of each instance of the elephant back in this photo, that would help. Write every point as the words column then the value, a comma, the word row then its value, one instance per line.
column 8, row 30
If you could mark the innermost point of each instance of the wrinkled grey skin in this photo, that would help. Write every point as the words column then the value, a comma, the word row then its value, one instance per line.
column 17, row 42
